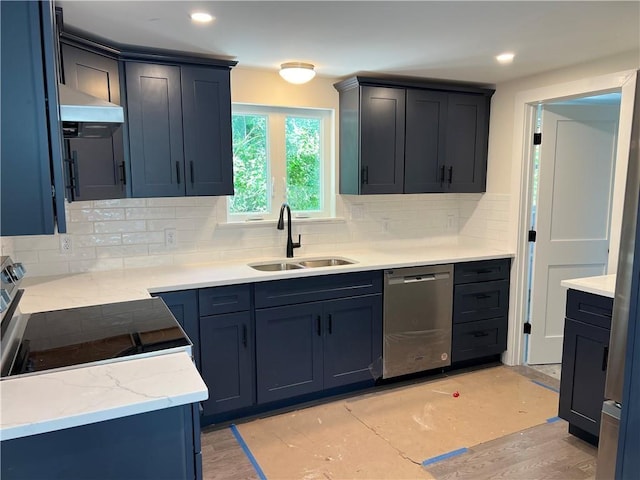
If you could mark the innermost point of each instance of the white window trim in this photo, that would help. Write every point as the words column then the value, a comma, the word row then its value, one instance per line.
column 276, row 173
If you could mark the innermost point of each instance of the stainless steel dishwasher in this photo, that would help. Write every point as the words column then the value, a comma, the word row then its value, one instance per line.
column 418, row 304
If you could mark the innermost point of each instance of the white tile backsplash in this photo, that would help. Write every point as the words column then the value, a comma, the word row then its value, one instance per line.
column 130, row 233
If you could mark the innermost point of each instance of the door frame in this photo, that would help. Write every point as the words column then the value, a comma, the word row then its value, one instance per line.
column 520, row 207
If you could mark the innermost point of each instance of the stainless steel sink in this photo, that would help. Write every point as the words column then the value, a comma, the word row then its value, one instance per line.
column 325, row 262
column 275, row 267
column 296, row 265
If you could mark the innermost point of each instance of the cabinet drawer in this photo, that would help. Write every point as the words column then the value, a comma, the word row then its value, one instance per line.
column 589, row 308
column 479, row 339
column 215, row 300
column 482, row 271
column 326, row 287
column 479, row 301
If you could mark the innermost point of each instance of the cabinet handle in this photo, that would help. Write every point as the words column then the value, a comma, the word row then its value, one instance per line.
column 605, row 358
column 482, row 296
column 330, row 324
column 178, row 172
column 244, row 336
column 450, row 175
column 73, row 185
column 319, row 325
column 484, row 271
column 441, row 174
column 123, row 174
column 480, row 334
column 365, row 175
column 191, row 172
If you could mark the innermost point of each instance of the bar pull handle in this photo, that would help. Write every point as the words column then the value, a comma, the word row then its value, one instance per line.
column 483, row 271
column 365, row 175
column 441, row 174
column 191, row 170
column 482, row 296
column 319, row 325
column 123, row 174
column 605, row 358
column 480, row 334
column 330, row 324
column 178, row 172
column 450, row 175
column 74, row 181
column 244, row 336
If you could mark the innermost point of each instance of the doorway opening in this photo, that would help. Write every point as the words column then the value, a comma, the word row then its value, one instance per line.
column 572, row 172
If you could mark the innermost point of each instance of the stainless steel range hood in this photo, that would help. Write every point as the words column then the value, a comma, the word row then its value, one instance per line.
column 85, row 116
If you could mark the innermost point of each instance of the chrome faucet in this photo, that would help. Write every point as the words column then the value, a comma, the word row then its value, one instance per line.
column 290, row 243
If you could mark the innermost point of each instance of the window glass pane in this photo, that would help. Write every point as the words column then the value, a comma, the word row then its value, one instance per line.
column 250, row 164
column 303, row 163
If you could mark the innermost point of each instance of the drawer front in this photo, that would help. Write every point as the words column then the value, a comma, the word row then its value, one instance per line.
column 326, row 287
column 215, row 300
column 482, row 271
column 589, row 308
column 479, row 339
column 480, row 301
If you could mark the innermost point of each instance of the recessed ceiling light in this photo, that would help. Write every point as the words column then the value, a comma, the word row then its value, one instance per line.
column 505, row 57
column 201, row 17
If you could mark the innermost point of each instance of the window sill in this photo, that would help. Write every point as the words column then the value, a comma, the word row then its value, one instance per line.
column 273, row 223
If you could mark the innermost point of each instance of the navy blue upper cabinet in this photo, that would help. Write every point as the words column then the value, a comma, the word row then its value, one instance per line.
column 412, row 136
column 97, row 164
column 467, row 137
column 31, row 173
column 154, row 110
column 206, row 117
column 179, row 130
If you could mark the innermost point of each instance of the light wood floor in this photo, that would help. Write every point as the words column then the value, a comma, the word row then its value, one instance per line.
column 543, row 451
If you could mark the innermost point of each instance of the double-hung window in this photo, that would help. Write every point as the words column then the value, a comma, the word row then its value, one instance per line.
column 280, row 155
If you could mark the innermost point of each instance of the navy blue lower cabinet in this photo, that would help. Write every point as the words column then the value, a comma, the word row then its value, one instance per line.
column 584, row 370
column 288, row 351
column 184, row 306
column 163, row 444
column 353, row 339
column 227, row 361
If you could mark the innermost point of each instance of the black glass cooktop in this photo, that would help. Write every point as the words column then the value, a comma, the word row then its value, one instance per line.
column 78, row 336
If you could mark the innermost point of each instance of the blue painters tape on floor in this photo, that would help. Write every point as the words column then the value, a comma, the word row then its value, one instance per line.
column 444, row 456
column 546, row 386
column 553, row 419
column 247, row 452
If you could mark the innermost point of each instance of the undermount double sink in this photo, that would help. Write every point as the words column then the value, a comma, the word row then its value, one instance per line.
column 299, row 264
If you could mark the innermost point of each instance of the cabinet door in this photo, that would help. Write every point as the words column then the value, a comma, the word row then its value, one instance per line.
column 100, row 161
column 184, row 306
column 288, row 351
column 382, row 121
column 226, row 345
column 154, row 110
column 353, row 340
column 584, row 369
column 467, row 133
column 206, row 118
column 424, row 164
column 29, row 129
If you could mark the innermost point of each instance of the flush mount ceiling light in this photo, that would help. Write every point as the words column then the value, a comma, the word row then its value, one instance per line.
column 201, row 17
column 506, row 57
column 297, row 72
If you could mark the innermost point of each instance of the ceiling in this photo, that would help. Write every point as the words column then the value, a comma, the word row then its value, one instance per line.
column 452, row 40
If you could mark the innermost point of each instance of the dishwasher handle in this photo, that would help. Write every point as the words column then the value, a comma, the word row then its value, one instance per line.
column 427, row 277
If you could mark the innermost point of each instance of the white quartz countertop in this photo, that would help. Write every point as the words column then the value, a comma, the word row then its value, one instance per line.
column 51, row 401
column 93, row 288
column 63, row 399
column 604, row 285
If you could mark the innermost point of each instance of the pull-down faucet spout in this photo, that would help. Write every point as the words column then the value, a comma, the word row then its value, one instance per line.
column 290, row 243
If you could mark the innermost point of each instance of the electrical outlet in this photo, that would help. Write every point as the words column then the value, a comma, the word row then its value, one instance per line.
column 170, row 239
column 357, row 211
column 66, row 245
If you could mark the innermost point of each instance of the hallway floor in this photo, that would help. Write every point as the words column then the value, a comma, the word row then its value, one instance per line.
column 503, row 423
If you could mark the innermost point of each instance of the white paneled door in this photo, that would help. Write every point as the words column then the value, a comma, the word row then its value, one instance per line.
column 573, row 214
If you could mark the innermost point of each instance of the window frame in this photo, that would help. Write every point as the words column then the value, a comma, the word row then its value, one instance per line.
column 276, row 161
